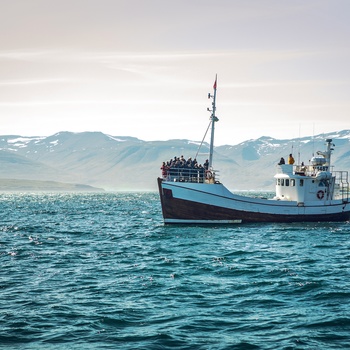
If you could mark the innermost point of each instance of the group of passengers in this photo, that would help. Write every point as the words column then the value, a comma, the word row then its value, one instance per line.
column 184, row 170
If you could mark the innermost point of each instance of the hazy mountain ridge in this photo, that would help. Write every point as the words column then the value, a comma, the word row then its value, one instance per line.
column 127, row 163
column 44, row 186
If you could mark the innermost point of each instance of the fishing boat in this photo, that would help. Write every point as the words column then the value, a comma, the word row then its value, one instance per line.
column 304, row 193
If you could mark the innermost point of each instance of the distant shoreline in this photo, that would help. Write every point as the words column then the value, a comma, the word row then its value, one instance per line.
column 16, row 185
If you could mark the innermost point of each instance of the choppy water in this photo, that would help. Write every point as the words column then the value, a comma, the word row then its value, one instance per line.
column 101, row 271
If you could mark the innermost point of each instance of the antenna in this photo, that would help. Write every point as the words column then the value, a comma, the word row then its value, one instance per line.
column 313, row 139
column 299, row 145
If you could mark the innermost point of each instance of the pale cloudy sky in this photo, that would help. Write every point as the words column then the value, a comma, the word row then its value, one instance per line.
column 143, row 68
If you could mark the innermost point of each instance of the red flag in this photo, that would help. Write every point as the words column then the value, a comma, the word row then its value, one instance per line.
column 215, row 83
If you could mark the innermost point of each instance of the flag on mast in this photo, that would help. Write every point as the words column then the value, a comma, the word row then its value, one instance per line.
column 215, row 82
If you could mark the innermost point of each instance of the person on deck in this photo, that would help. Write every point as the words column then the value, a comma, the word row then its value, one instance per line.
column 290, row 159
column 282, row 161
column 164, row 169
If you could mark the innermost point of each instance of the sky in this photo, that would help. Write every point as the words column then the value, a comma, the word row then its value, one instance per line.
column 143, row 68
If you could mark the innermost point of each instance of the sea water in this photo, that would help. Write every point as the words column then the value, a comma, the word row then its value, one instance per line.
column 102, row 271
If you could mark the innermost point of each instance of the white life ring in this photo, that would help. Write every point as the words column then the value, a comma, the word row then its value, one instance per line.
column 320, row 194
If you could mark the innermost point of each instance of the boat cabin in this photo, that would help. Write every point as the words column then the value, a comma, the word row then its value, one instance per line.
column 314, row 182
column 296, row 184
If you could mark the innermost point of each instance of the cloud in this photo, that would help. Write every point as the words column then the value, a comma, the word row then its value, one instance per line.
column 35, row 82
column 126, row 62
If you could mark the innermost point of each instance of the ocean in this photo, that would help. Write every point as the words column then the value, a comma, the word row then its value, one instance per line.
column 102, row 271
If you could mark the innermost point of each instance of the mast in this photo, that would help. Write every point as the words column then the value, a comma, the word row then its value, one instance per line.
column 213, row 119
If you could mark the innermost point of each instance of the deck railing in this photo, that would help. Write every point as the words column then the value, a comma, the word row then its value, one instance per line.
column 304, row 170
column 342, row 189
column 197, row 175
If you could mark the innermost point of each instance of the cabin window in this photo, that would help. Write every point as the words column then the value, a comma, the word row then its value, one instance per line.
column 292, row 182
column 278, row 182
column 282, row 182
column 287, row 182
column 301, row 183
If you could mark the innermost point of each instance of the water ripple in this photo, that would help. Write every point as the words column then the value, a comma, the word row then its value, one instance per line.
column 102, row 271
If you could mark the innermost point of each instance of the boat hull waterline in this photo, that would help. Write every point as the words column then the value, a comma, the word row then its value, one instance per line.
column 193, row 204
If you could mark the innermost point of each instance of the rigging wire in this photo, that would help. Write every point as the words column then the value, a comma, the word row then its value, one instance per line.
column 202, row 140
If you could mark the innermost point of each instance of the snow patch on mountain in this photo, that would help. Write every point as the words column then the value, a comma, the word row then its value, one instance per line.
column 116, row 138
column 21, row 142
column 197, row 143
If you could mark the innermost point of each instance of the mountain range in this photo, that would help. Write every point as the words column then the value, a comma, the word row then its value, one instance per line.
column 93, row 160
